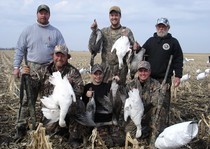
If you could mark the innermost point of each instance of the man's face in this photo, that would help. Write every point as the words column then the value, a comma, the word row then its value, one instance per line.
column 43, row 17
column 114, row 18
column 143, row 74
column 60, row 60
column 162, row 30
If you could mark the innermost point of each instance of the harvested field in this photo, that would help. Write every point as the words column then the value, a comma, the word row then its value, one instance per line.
column 191, row 101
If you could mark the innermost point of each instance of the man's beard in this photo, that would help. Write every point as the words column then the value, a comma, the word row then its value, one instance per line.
column 162, row 33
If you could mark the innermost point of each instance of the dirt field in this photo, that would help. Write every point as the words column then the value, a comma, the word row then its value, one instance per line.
column 190, row 103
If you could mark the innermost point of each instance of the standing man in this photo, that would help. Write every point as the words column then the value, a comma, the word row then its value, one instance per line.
column 109, row 36
column 38, row 40
column 159, row 49
column 36, row 43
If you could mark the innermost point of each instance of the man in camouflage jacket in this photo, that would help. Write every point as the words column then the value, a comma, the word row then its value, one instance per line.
column 60, row 63
column 152, row 98
column 103, row 40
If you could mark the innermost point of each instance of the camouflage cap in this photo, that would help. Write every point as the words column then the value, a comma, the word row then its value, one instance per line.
column 41, row 7
column 163, row 21
column 96, row 67
column 144, row 64
column 62, row 49
column 115, row 8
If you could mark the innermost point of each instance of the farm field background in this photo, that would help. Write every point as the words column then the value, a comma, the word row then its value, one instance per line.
column 191, row 102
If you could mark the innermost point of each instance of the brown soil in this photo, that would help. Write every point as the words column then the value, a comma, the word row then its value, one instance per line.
column 188, row 105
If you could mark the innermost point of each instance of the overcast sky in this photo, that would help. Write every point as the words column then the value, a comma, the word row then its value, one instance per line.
column 189, row 20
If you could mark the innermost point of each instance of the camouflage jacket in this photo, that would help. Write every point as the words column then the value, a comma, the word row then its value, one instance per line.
column 109, row 37
column 73, row 75
column 109, row 60
column 152, row 98
column 149, row 91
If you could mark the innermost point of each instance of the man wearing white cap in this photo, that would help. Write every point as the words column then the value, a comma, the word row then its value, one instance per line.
column 159, row 50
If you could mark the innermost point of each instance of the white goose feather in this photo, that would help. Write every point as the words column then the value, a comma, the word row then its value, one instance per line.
column 57, row 104
column 135, row 109
column 122, row 46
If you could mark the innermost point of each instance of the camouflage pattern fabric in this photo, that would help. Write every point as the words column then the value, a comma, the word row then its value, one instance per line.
column 77, row 84
column 105, row 134
column 154, row 112
column 36, row 73
column 41, row 85
column 118, row 135
column 72, row 74
column 167, row 99
column 109, row 59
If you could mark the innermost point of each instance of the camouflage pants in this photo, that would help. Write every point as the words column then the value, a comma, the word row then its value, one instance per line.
column 105, row 134
column 118, row 135
column 74, row 129
column 23, row 113
column 150, row 130
column 167, row 101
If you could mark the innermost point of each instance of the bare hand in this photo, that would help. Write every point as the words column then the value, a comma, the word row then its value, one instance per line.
column 16, row 72
column 94, row 26
column 136, row 46
column 176, row 81
column 89, row 93
column 117, row 78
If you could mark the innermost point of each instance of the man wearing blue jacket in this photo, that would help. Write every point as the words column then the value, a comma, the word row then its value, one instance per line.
column 36, row 43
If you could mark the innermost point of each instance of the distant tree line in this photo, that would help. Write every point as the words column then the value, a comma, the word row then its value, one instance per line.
column 7, row 48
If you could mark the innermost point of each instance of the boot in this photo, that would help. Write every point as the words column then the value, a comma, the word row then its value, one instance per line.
column 75, row 143
column 20, row 133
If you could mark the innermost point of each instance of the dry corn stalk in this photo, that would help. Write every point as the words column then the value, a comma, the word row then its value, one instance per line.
column 134, row 142
column 38, row 139
column 203, row 123
column 95, row 137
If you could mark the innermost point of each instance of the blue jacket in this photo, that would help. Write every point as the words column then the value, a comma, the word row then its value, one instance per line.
column 39, row 41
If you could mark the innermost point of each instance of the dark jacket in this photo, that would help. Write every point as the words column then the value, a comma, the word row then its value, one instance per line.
column 158, row 51
column 99, row 92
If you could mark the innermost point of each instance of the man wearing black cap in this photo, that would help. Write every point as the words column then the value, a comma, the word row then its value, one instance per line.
column 149, row 90
column 159, row 50
column 99, row 90
column 35, row 45
column 110, row 35
column 38, row 40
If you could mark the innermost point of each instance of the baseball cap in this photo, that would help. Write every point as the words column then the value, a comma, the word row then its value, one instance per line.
column 115, row 8
column 144, row 64
column 43, row 6
column 96, row 67
column 62, row 49
column 163, row 21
